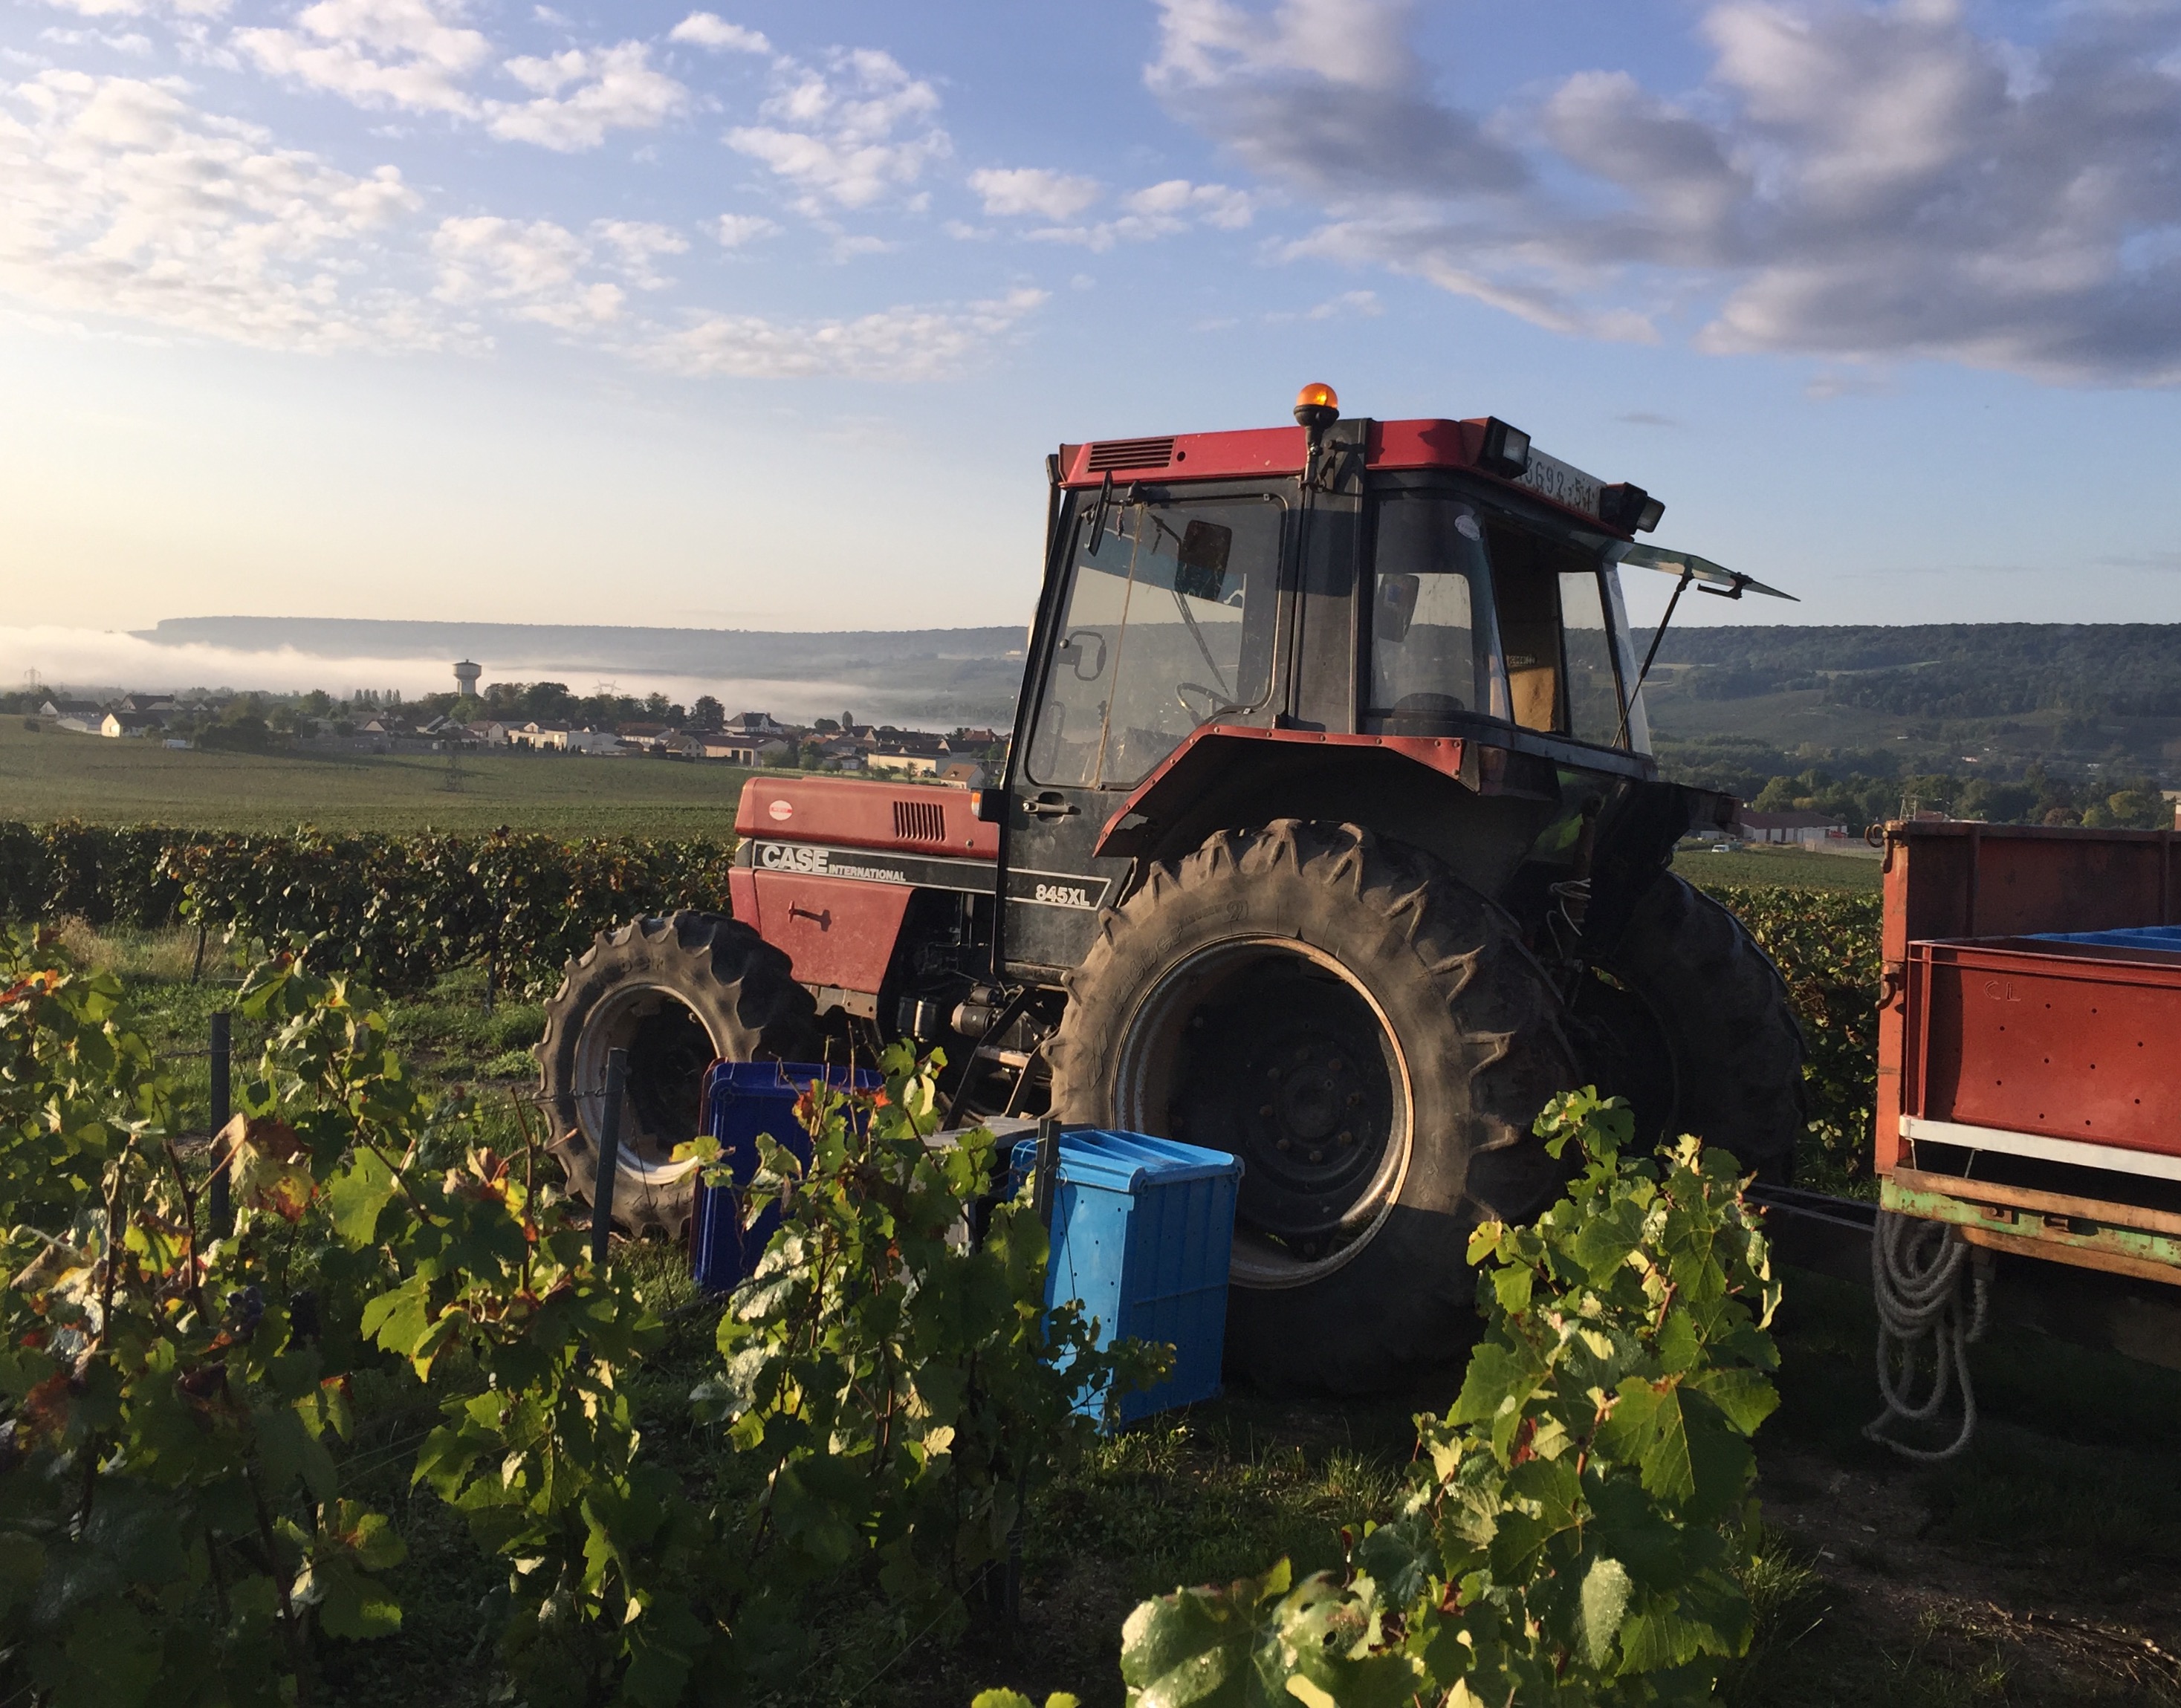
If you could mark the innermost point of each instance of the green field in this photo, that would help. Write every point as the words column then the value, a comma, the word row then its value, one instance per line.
column 59, row 775
column 1780, row 868
column 56, row 774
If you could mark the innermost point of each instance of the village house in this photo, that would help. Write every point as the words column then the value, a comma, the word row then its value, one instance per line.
column 117, row 725
column 1805, row 829
column 749, row 751
column 551, row 736
column 904, row 762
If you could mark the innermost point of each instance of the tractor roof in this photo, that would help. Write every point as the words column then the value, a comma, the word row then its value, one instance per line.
column 1279, row 451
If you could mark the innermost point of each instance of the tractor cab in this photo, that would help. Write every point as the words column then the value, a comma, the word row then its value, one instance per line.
column 1415, row 625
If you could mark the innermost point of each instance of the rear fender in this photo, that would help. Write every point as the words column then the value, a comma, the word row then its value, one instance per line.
column 1475, row 806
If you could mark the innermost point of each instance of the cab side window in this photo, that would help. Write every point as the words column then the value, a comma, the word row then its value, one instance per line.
column 1554, row 627
column 1528, row 595
column 1166, row 626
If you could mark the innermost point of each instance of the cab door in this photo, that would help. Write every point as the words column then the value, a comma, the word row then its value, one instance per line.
column 1164, row 623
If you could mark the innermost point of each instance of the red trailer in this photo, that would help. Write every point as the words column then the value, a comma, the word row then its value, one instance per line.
column 2029, row 1040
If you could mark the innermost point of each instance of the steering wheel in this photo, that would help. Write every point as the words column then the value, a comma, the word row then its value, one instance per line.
column 1214, row 702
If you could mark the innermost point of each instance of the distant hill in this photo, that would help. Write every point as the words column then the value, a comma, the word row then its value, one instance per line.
column 1943, row 669
column 589, row 647
column 1732, row 705
column 939, row 676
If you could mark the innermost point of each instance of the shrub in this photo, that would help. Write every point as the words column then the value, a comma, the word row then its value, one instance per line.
column 178, row 1403
column 1826, row 947
column 1576, row 1522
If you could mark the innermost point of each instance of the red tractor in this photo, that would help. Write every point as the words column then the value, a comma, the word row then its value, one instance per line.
column 1328, row 837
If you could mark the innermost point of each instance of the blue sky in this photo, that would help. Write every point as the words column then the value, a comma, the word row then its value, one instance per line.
column 766, row 316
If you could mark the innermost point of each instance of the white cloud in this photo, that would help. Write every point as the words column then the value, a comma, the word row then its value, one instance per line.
column 735, row 229
column 138, row 9
column 117, row 198
column 537, row 270
column 614, row 88
column 833, row 133
column 709, row 30
column 133, row 43
column 1033, row 189
column 534, row 270
column 1349, row 305
column 405, row 53
column 637, row 244
column 1159, row 211
column 1861, row 182
column 417, row 54
column 897, row 343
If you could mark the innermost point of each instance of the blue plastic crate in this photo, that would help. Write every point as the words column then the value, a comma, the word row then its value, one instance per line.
column 1142, row 1232
column 742, row 1099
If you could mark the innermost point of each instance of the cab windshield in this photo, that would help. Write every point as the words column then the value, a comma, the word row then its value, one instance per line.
column 1166, row 626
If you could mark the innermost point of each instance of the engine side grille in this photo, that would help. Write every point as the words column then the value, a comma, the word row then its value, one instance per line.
column 1131, row 454
column 919, row 821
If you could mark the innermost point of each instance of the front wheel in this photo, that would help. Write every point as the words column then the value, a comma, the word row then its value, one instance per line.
column 677, row 993
column 1371, row 1039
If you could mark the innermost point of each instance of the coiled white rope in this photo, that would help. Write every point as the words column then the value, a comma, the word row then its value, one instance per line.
column 1916, row 1279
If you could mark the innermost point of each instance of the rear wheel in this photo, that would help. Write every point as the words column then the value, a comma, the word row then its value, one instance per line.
column 676, row 993
column 1696, row 1030
column 1371, row 1037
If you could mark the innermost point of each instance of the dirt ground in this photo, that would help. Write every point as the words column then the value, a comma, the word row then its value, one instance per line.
column 1889, row 1612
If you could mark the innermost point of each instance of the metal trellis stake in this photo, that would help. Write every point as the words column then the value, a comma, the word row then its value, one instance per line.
column 219, row 1212
column 609, row 1155
column 1041, row 1181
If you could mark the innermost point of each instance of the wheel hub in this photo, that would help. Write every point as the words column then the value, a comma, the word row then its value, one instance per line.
column 1284, row 1062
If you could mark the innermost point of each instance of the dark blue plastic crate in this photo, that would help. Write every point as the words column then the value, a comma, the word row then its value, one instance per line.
column 742, row 1099
column 1142, row 1232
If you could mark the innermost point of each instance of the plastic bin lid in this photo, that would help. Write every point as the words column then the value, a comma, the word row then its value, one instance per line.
column 1122, row 1161
column 2118, row 937
column 785, row 1077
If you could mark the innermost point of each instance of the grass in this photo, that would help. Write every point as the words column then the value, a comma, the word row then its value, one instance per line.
column 2035, row 1571
column 1780, row 868
column 59, row 775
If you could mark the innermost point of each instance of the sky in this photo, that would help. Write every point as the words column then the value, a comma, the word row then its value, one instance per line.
column 765, row 317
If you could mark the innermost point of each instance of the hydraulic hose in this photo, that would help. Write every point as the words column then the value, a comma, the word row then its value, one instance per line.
column 1916, row 1269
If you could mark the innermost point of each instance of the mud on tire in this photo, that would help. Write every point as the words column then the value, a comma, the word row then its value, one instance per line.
column 676, row 993
column 1373, row 1039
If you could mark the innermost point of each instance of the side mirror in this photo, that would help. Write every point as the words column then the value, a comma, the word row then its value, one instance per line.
column 988, row 806
column 1201, row 568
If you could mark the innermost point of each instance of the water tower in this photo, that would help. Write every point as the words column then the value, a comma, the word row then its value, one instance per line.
column 466, row 677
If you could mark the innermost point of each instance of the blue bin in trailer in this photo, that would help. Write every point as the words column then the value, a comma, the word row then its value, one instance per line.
column 1142, row 1230
column 742, row 1099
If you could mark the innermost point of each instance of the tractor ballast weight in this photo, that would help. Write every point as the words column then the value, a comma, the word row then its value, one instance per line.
column 1329, row 836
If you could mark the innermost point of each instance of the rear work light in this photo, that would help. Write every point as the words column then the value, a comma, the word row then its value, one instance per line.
column 1506, row 449
column 1629, row 508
